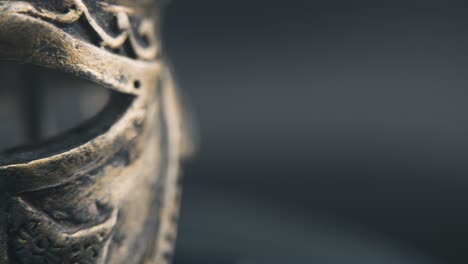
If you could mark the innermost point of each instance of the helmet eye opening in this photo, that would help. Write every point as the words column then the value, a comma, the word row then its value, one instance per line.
column 39, row 105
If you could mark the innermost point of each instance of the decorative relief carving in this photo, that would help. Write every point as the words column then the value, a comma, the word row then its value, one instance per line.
column 76, row 9
column 37, row 238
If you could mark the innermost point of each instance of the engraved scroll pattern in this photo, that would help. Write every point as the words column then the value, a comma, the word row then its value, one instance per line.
column 78, row 9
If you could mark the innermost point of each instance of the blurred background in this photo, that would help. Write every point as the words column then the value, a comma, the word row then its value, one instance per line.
column 331, row 131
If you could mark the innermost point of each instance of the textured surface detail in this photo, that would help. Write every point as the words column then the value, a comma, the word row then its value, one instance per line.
column 37, row 238
column 77, row 9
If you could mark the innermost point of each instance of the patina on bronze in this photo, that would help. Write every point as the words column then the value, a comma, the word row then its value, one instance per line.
column 106, row 191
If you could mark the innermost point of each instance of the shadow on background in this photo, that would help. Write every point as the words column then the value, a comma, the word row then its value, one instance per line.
column 331, row 131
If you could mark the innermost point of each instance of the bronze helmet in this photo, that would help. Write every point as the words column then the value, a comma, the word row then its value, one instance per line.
column 106, row 190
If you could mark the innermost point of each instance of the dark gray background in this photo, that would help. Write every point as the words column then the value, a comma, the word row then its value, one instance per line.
column 331, row 131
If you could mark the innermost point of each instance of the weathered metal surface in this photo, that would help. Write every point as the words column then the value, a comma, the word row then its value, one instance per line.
column 106, row 191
